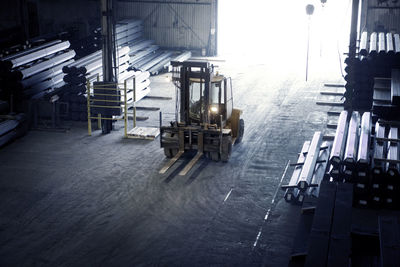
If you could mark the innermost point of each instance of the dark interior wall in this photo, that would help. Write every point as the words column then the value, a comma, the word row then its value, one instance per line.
column 24, row 19
column 10, row 23
column 60, row 15
column 380, row 15
column 9, row 15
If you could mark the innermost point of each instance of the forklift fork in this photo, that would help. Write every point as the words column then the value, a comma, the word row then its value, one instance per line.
column 200, row 152
column 188, row 167
column 178, row 155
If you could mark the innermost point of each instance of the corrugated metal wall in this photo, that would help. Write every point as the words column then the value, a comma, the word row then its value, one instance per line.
column 381, row 16
column 175, row 24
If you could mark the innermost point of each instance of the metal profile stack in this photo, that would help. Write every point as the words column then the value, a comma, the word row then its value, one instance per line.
column 378, row 54
column 386, row 98
column 309, row 170
column 338, row 147
column 76, row 76
column 140, row 82
column 385, row 172
column 370, row 160
column 12, row 128
column 378, row 166
column 144, row 54
column 350, row 155
column 35, row 73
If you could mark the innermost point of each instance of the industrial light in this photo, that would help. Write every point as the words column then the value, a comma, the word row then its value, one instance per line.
column 214, row 109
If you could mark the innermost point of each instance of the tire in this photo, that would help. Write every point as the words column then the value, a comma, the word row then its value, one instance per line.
column 174, row 151
column 168, row 152
column 214, row 156
column 226, row 148
column 241, row 132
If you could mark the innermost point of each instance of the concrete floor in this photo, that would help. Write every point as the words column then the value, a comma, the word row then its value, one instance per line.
column 69, row 199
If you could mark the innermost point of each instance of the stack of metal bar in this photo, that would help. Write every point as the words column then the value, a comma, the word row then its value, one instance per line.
column 87, row 45
column 369, row 161
column 386, row 99
column 138, row 82
column 378, row 54
column 385, row 178
column 12, row 128
column 36, row 72
column 144, row 54
column 182, row 56
column 309, row 170
column 79, row 72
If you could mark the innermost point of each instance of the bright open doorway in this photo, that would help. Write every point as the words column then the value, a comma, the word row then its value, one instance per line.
column 275, row 32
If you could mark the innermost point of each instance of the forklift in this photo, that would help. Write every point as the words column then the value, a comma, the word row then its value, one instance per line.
column 205, row 120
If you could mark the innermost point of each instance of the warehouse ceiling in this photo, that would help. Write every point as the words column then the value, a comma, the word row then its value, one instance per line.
column 276, row 31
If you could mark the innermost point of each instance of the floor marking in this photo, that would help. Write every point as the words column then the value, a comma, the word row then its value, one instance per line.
column 229, row 193
column 280, row 182
column 272, row 203
column 266, row 215
column 258, row 237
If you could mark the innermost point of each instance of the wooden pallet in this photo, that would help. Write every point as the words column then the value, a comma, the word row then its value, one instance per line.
column 148, row 133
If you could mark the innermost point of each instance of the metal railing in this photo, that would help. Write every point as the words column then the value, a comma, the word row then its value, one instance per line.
column 116, row 90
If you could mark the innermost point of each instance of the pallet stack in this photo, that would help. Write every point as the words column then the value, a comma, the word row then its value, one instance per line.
column 36, row 72
column 378, row 54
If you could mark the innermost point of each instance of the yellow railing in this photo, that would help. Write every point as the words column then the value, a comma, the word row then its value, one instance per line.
column 91, row 90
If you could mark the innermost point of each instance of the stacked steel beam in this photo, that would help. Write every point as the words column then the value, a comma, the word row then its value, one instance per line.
column 36, row 72
column 386, row 98
column 12, row 128
column 138, row 82
column 144, row 54
column 370, row 162
column 87, row 45
column 79, row 72
column 378, row 54
column 385, row 176
column 362, row 154
column 309, row 170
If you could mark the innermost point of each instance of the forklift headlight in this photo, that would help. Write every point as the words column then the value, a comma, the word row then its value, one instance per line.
column 214, row 109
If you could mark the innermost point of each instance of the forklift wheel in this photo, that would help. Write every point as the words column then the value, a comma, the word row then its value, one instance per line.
column 168, row 152
column 226, row 148
column 214, row 156
column 241, row 132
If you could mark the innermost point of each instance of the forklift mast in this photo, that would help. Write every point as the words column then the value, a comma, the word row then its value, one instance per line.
column 201, row 72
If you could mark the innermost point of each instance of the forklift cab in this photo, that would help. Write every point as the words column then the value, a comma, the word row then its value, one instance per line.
column 220, row 100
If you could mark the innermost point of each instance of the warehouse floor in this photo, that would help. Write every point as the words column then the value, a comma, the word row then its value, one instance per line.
column 71, row 199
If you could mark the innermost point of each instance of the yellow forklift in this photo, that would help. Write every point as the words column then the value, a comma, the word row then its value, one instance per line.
column 205, row 119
